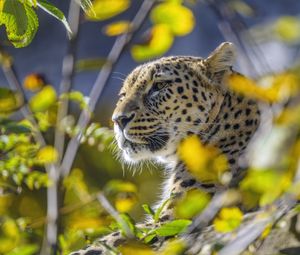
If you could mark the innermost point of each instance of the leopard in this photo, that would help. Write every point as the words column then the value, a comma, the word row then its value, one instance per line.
column 163, row 102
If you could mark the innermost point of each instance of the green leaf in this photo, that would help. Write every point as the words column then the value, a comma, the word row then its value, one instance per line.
column 43, row 100
column 17, row 128
column 129, row 224
column 9, row 100
column 173, row 228
column 191, row 204
column 149, row 238
column 116, row 186
column 20, row 21
column 159, row 210
column 76, row 96
column 148, row 209
column 55, row 12
column 89, row 64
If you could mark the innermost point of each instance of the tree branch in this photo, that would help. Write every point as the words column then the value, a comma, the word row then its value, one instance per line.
column 114, row 55
column 53, row 192
column 13, row 82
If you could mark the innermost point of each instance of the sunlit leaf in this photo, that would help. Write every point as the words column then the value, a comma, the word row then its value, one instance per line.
column 178, row 18
column 26, row 249
column 124, row 202
column 279, row 87
column 263, row 186
column 191, row 204
column 172, row 228
column 105, row 9
column 174, row 247
column 36, row 180
column 116, row 186
column 127, row 224
column 33, row 82
column 136, row 248
column 89, row 64
column 207, row 168
column 242, row 8
column 160, row 42
column 266, row 232
column 117, row 28
column 287, row 28
column 55, row 12
column 47, row 155
column 148, row 209
column 228, row 219
column 77, row 97
column 9, row 235
column 20, row 21
column 160, row 209
column 43, row 99
column 9, row 100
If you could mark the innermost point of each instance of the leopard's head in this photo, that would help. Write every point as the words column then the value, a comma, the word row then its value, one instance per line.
column 163, row 101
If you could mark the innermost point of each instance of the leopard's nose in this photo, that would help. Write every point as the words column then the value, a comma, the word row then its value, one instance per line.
column 123, row 119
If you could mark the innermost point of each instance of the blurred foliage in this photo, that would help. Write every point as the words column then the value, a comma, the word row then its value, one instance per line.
column 25, row 161
column 189, row 151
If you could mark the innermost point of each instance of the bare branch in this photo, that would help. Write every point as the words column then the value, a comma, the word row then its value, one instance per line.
column 115, row 53
column 68, row 72
column 13, row 82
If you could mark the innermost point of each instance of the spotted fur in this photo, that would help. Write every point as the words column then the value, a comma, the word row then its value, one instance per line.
column 166, row 100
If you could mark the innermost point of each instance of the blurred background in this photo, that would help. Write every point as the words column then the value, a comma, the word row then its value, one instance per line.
column 267, row 35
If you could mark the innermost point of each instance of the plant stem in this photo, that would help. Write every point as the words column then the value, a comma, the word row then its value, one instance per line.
column 13, row 82
column 68, row 72
column 54, row 196
column 114, row 55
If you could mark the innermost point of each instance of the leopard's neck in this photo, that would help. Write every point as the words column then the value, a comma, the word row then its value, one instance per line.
column 231, row 133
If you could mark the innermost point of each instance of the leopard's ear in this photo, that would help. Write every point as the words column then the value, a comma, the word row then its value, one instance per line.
column 220, row 61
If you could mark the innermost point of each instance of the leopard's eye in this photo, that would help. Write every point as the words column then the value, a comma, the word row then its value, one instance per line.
column 159, row 85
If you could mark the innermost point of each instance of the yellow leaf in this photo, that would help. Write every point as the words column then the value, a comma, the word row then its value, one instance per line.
column 9, row 100
column 83, row 222
column 43, row 99
column 263, row 186
column 160, row 42
column 117, row 28
column 266, row 232
column 179, row 18
column 33, row 82
column 174, row 247
column 125, row 202
column 105, row 9
column 287, row 28
column 136, row 249
column 191, row 204
column 279, row 87
column 207, row 168
column 228, row 219
column 47, row 155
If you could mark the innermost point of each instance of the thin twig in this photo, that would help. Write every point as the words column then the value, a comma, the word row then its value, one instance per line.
column 53, row 192
column 13, row 82
column 68, row 72
column 115, row 53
